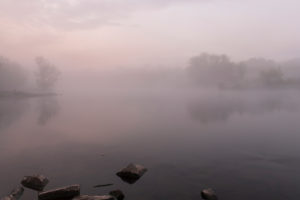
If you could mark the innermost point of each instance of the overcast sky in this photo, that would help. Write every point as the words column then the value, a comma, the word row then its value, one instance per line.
column 146, row 33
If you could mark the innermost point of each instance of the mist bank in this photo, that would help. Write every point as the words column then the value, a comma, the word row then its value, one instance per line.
column 18, row 81
column 202, row 71
column 12, row 75
column 206, row 71
column 219, row 71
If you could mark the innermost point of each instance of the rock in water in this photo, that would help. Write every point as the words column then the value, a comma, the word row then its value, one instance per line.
column 87, row 197
column 60, row 193
column 15, row 194
column 118, row 194
column 132, row 173
column 209, row 194
column 36, row 182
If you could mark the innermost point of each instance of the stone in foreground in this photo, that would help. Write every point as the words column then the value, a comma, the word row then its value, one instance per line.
column 68, row 192
column 36, row 182
column 209, row 194
column 118, row 194
column 15, row 194
column 87, row 197
column 132, row 173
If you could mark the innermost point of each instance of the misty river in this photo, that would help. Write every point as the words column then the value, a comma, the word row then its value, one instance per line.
column 244, row 144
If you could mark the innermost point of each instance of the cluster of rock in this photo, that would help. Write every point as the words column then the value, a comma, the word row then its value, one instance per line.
column 209, row 194
column 129, row 174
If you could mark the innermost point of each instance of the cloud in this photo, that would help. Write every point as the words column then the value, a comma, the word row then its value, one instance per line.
column 76, row 14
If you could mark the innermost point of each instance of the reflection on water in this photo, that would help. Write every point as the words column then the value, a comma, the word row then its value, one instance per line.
column 11, row 110
column 48, row 108
column 253, row 154
column 220, row 107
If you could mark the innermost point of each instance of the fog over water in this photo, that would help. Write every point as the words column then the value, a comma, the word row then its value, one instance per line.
column 205, row 94
column 232, row 126
column 236, row 141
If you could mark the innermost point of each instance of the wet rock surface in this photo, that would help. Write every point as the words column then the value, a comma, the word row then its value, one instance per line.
column 63, row 193
column 209, row 194
column 35, row 182
column 118, row 194
column 132, row 173
column 15, row 194
column 87, row 197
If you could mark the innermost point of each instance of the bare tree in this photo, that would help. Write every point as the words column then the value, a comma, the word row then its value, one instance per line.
column 47, row 74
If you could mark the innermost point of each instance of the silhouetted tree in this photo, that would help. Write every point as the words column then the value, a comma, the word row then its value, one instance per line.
column 47, row 74
column 207, row 69
column 272, row 77
column 12, row 75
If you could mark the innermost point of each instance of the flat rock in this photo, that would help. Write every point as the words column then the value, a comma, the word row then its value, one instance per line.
column 67, row 192
column 15, row 194
column 87, row 197
column 36, row 182
column 209, row 194
column 132, row 173
column 118, row 194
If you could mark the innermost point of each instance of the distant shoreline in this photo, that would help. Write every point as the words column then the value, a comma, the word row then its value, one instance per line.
column 22, row 94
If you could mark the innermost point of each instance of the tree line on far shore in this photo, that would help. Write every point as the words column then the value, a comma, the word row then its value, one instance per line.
column 14, row 77
column 205, row 70
column 219, row 70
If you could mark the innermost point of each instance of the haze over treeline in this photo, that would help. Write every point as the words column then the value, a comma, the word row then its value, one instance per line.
column 204, row 70
column 14, row 76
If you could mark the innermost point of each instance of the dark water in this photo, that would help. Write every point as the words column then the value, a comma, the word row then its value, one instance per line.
column 245, row 145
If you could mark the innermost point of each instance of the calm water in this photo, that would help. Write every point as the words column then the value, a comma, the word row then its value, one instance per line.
column 245, row 145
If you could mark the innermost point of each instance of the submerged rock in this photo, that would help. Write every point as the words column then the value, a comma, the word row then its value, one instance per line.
column 118, row 194
column 36, row 182
column 67, row 192
column 87, row 197
column 15, row 194
column 132, row 173
column 209, row 194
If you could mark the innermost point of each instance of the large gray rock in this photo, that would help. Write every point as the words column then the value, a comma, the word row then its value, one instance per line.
column 132, row 173
column 67, row 192
column 35, row 182
column 87, row 197
column 209, row 194
column 15, row 194
column 118, row 194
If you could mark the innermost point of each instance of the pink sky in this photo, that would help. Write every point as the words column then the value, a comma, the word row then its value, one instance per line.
column 146, row 33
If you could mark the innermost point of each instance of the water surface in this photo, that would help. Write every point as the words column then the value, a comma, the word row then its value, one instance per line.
column 244, row 144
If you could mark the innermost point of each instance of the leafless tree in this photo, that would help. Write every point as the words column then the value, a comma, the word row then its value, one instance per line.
column 47, row 74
